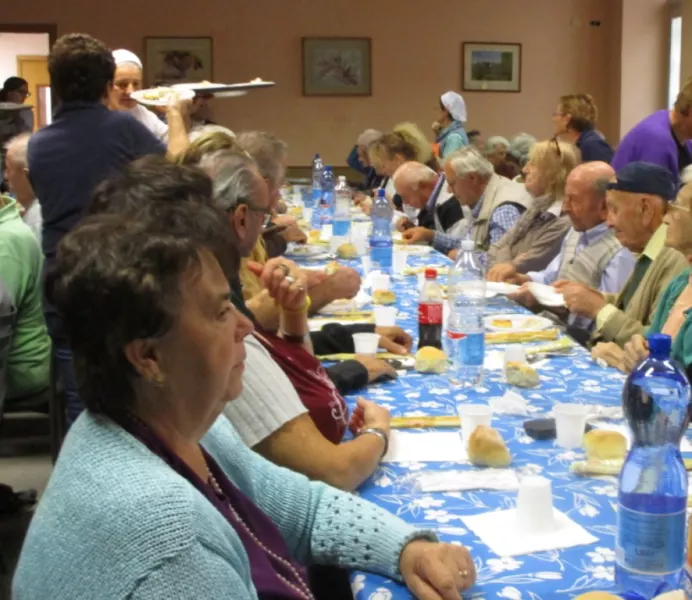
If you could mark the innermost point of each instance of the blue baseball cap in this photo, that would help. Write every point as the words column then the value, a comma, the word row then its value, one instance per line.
column 645, row 178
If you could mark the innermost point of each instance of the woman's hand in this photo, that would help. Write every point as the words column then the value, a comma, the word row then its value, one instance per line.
column 435, row 571
column 394, row 340
column 636, row 350
column 368, row 415
column 284, row 282
column 610, row 353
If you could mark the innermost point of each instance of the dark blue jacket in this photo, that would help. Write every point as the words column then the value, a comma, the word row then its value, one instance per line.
column 593, row 147
column 372, row 179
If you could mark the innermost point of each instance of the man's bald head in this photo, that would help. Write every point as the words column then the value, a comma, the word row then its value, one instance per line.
column 585, row 195
column 415, row 182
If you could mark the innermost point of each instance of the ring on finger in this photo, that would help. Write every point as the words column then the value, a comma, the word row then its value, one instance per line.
column 464, row 573
column 291, row 280
column 284, row 268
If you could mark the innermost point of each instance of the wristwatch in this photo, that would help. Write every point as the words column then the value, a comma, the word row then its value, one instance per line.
column 380, row 433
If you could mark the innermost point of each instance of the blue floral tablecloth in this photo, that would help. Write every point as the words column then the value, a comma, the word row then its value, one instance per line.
column 591, row 502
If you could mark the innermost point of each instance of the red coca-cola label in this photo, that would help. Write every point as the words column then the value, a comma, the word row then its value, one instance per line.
column 455, row 335
column 430, row 314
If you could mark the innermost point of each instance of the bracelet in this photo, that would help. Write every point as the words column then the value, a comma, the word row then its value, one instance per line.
column 293, row 339
column 298, row 311
column 380, row 434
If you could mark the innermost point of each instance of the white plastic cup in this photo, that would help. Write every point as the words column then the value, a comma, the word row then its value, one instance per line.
column 535, row 513
column 366, row 343
column 570, row 422
column 366, row 264
column 359, row 238
column 399, row 259
column 381, row 281
column 307, row 214
column 515, row 354
column 385, row 316
column 471, row 416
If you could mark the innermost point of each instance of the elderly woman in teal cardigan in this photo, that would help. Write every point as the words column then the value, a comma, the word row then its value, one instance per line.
column 154, row 495
column 673, row 314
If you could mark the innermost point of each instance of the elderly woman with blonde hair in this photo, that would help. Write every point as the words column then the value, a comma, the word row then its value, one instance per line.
column 537, row 236
column 673, row 315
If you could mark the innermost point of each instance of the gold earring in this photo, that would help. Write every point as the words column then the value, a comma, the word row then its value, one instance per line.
column 159, row 380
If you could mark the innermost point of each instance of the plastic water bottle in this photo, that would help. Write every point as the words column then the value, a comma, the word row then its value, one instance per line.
column 381, row 245
column 327, row 204
column 652, row 498
column 465, row 336
column 342, row 211
column 316, row 189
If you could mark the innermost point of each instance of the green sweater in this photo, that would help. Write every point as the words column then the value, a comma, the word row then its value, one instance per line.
column 682, row 344
column 21, row 264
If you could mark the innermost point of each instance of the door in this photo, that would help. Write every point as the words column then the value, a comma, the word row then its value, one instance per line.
column 35, row 70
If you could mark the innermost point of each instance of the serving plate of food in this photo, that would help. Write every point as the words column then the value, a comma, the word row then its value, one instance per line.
column 510, row 323
column 161, row 96
column 218, row 90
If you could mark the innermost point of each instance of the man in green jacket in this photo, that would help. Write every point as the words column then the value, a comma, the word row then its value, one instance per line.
column 21, row 263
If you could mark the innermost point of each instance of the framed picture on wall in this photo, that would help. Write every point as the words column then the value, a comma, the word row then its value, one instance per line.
column 491, row 67
column 337, row 67
column 169, row 60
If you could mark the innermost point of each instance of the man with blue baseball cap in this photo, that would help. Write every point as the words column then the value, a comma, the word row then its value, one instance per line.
column 637, row 200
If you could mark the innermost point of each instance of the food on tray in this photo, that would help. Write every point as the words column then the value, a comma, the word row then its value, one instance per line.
column 332, row 268
column 314, row 236
column 159, row 93
column 515, row 337
column 431, row 360
column 302, row 251
column 487, row 448
column 257, row 80
column 601, row 444
column 295, row 211
column 504, row 323
column 347, row 251
column 383, row 297
column 521, row 375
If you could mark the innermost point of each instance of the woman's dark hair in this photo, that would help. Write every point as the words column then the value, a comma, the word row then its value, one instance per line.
column 80, row 67
column 12, row 84
column 117, row 279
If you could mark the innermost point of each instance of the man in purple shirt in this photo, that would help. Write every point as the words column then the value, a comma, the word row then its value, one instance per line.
column 662, row 138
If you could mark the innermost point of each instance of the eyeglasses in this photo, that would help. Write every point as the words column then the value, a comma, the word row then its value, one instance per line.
column 557, row 147
column 24, row 93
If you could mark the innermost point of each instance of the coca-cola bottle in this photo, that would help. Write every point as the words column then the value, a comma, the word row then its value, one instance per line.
column 430, row 312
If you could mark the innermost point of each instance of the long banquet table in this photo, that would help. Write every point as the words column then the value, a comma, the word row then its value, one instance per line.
column 589, row 501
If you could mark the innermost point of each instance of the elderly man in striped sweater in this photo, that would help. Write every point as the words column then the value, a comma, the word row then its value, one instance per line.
column 591, row 254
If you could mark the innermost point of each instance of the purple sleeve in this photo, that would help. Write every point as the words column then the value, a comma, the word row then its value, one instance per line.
column 653, row 149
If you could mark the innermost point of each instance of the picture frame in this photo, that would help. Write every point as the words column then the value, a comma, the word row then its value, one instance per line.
column 175, row 59
column 491, row 67
column 337, row 66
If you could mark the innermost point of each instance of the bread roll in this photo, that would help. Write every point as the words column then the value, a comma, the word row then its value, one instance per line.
column 431, row 360
column 601, row 444
column 487, row 448
column 597, row 596
column 347, row 251
column 383, row 297
column 521, row 375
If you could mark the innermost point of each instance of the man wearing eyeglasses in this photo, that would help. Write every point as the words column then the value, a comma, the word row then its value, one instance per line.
column 637, row 202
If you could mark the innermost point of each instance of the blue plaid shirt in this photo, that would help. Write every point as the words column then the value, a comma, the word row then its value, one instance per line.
column 501, row 221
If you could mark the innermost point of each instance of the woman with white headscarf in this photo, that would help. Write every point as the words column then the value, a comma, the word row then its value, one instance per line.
column 128, row 79
column 452, row 119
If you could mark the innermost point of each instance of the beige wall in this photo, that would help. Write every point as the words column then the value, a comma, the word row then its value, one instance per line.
column 685, row 9
column 416, row 56
column 644, row 59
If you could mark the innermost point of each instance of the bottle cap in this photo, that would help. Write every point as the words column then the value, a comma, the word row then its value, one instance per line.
column 328, row 168
column 468, row 245
column 431, row 273
column 660, row 344
column 380, row 193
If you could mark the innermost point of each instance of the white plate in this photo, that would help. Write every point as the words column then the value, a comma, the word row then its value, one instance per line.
column 219, row 90
column 546, row 294
column 501, row 288
column 139, row 96
column 519, row 323
column 304, row 251
column 417, row 250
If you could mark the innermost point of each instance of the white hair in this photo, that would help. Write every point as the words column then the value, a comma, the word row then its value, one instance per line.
column 267, row 150
column 198, row 132
column 368, row 137
column 18, row 147
column 521, row 146
column 235, row 177
column 496, row 140
column 413, row 173
column 469, row 160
